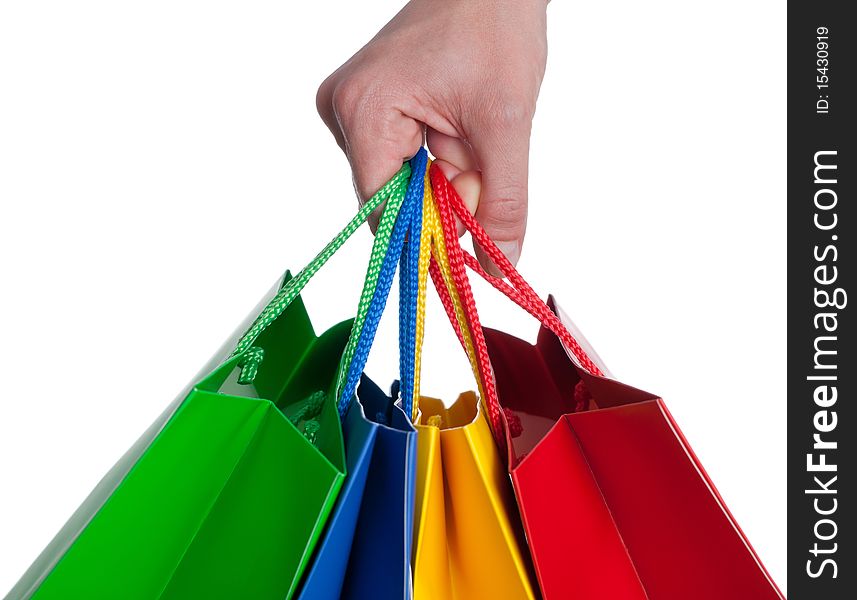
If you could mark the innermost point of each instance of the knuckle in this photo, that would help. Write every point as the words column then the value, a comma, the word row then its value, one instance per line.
column 367, row 112
column 507, row 216
column 348, row 97
column 323, row 97
column 511, row 110
column 361, row 105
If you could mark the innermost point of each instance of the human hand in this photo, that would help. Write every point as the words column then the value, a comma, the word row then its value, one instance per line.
column 465, row 72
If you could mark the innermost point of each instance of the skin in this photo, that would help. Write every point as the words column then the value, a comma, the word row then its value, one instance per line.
column 463, row 75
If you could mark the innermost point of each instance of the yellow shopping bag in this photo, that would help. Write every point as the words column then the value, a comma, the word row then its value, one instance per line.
column 468, row 539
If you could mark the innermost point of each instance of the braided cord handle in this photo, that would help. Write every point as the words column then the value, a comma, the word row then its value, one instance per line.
column 412, row 287
column 377, row 288
column 431, row 244
column 457, row 297
column 432, row 257
column 392, row 191
column 519, row 291
column 414, row 346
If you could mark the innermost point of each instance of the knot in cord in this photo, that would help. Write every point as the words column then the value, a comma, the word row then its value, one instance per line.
column 311, row 428
column 582, row 396
column 249, row 365
column 308, row 413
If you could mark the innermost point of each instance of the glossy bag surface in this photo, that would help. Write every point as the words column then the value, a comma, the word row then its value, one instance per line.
column 324, row 577
column 614, row 502
column 228, row 492
column 468, row 537
column 367, row 546
column 379, row 562
column 205, row 502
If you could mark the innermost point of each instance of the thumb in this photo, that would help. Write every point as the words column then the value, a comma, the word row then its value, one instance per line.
column 502, row 153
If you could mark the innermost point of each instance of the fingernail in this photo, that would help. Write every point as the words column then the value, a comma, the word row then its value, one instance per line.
column 512, row 250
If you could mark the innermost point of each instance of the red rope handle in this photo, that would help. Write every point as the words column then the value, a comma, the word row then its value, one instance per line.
column 482, row 363
column 519, row 291
column 445, row 298
column 462, row 284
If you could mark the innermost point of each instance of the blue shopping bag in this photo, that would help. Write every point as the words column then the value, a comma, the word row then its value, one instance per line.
column 365, row 551
column 379, row 563
column 325, row 575
column 374, row 514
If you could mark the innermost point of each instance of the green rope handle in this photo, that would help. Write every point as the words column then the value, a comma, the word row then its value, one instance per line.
column 394, row 192
column 373, row 271
column 249, row 365
column 308, row 413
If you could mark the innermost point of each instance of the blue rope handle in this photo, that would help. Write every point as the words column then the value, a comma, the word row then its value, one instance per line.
column 408, row 291
column 411, row 210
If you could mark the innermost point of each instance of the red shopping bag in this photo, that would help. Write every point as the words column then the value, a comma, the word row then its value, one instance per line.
column 614, row 502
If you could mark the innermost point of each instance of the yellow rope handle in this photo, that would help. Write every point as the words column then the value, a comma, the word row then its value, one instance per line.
column 433, row 242
column 422, row 281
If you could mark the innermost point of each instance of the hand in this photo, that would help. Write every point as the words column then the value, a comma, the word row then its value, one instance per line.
column 464, row 73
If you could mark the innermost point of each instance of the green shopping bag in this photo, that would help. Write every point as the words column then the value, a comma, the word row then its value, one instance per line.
column 227, row 493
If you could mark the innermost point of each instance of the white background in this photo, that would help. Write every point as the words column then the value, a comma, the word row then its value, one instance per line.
column 161, row 163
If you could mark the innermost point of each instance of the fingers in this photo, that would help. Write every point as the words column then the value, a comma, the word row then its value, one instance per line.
column 489, row 171
column 495, row 191
column 454, row 151
column 324, row 106
column 456, row 160
column 378, row 146
column 502, row 149
column 468, row 184
column 375, row 136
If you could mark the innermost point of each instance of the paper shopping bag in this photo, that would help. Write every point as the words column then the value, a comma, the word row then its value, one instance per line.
column 379, row 562
column 223, row 497
column 366, row 548
column 614, row 502
column 227, row 493
column 468, row 538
